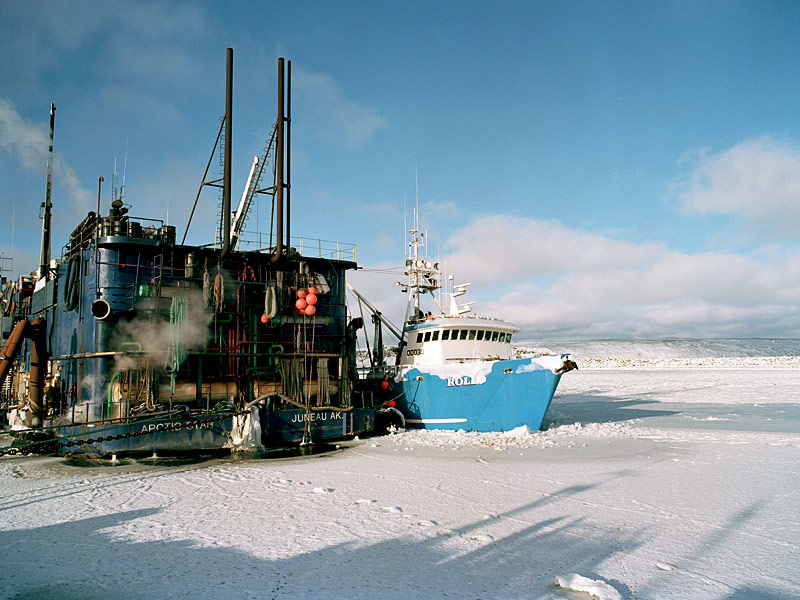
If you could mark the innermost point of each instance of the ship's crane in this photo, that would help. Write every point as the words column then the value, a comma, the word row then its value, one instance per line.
column 251, row 188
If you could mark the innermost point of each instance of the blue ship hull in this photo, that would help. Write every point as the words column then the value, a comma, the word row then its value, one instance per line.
column 511, row 394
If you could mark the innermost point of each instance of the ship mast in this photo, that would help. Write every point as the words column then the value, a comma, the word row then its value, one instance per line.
column 47, row 205
column 423, row 274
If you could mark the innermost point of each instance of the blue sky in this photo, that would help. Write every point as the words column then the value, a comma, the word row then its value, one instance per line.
column 595, row 169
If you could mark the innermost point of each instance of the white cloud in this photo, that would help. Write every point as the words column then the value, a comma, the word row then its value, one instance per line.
column 554, row 281
column 506, row 248
column 28, row 143
column 345, row 119
column 757, row 180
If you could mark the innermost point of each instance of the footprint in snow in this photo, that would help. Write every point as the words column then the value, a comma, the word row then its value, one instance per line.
column 426, row 523
column 665, row 566
column 481, row 537
column 391, row 509
column 365, row 501
column 318, row 490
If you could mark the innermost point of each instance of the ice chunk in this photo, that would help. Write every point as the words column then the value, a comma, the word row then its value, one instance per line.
column 597, row 590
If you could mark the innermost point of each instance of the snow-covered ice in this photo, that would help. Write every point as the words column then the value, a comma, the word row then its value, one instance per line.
column 671, row 480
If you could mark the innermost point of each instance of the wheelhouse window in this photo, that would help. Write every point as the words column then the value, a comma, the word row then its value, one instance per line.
column 435, row 335
column 463, row 335
column 427, row 336
column 508, row 338
column 471, row 334
column 494, row 335
column 480, row 335
column 419, row 337
column 502, row 337
column 445, row 335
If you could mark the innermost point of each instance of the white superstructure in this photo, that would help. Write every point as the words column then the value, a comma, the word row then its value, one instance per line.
column 451, row 337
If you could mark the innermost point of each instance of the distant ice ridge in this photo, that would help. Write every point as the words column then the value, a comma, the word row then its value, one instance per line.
column 667, row 349
column 711, row 362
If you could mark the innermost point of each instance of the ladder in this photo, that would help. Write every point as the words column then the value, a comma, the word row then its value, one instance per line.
column 252, row 187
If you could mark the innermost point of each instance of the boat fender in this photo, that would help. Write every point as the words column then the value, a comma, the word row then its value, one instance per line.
column 219, row 292
column 271, row 300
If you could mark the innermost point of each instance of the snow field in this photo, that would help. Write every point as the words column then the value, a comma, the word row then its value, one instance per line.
column 648, row 483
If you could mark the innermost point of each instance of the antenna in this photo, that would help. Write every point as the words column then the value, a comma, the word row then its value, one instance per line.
column 124, row 170
column 416, row 185
column 6, row 259
column 405, row 224
column 114, row 182
column 13, row 220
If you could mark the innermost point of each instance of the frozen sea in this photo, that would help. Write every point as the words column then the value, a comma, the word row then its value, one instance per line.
column 668, row 469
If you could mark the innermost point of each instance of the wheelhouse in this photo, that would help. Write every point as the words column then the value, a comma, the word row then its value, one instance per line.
column 446, row 340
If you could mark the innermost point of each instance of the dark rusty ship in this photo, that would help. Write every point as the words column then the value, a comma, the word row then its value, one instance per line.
column 132, row 342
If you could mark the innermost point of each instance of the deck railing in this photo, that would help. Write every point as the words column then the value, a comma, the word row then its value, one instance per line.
column 256, row 241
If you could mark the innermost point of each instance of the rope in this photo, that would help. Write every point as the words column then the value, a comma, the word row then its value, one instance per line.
column 206, row 287
column 176, row 351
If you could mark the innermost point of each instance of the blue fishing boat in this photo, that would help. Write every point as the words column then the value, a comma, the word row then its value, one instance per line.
column 456, row 370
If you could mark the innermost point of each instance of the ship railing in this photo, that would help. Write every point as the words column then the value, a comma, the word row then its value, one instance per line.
column 257, row 241
column 128, row 226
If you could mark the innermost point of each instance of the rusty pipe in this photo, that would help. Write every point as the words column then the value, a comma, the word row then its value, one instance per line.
column 38, row 370
column 11, row 348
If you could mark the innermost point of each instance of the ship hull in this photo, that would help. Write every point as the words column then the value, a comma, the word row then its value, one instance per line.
column 479, row 396
column 215, row 432
column 174, row 435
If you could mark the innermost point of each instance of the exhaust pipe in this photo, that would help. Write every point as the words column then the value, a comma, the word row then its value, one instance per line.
column 279, row 168
column 38, row 369
column 101, row 309
column 226, row 175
